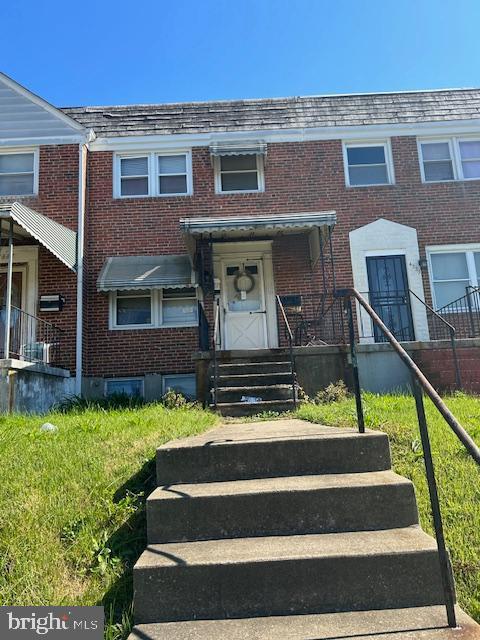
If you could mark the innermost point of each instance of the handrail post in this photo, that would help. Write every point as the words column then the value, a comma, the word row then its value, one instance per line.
column 353, row 356
column 470, row 312
column 445, row 570
column 458, row 378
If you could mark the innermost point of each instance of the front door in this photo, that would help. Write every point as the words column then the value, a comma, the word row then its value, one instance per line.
column 243, row 293
column 389, row 296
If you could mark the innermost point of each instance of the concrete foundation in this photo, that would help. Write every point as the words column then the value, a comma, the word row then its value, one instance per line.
column 27, row 387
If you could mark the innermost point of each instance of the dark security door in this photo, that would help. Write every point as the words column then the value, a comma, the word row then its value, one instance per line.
column 389, row 296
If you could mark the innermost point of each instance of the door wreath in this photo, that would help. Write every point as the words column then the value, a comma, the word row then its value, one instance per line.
column 244, row 275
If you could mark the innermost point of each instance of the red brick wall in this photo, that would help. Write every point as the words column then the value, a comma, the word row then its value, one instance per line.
column 298, row 177
column 58, row 199
column 438, row 366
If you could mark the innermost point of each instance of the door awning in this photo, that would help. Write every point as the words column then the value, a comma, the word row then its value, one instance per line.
column 315, row 224
column 58, row 239
column 247, row 147
column 146, row 272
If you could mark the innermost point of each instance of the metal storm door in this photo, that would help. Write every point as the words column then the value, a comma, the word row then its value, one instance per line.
column 389, row 296
column 245, row 316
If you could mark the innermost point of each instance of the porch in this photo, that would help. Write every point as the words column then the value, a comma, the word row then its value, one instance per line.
column 34, row 352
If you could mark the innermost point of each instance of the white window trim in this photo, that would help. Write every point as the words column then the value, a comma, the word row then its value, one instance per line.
column 36, row 166
column 156, row 302
column 455, row 156
column 468, row 249
column 174, row 375
column 386, row 144
column 125, row 379
column 260, row 177
column 153, row 175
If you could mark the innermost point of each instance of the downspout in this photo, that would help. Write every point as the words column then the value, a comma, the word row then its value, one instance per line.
column 82, row 189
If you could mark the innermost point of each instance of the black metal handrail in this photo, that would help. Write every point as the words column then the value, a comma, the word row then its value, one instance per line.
column 31, row 339
column 290, row 347
column 451, row 333
column 203, row 328
column 216, row 342
column 419, row 383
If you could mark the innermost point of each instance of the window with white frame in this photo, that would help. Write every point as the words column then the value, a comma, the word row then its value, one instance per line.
column 153, row 174
column 132, row 387
column 449, row 159
column 368, row 164
column 453, row 270
column 18, row 173
column 237, row 173
column 181, row 383
column 153, row 308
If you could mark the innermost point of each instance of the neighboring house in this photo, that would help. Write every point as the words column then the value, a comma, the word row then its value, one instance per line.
column 178, row 204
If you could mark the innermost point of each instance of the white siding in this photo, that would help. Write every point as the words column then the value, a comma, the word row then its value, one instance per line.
column 22, row 117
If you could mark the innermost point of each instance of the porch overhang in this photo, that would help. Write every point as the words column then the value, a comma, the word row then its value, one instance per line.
column 146, row 272
column 316, row 224
column 55, row 237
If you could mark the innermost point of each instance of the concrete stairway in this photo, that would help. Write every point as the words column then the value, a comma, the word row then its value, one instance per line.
column 289, row 530
column 266, row 376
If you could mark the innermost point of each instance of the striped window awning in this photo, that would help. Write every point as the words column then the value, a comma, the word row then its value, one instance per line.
column 146, row 272
column 245, row 148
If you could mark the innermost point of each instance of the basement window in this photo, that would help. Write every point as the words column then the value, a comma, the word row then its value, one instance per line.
column 184, row 383
column 131, row 387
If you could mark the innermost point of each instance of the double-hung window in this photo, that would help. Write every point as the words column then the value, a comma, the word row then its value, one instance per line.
column 452, row 270
column 239, row 173
column 18, row 173
column 368, row 164
column 153, row 174
column 148, row 309
column 449, row 159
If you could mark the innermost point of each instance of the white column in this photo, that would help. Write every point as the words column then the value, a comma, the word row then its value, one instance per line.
column 8, row 301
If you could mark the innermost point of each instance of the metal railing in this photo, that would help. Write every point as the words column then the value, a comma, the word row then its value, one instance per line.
column 30, row 338
column 290, row 348
column 314, row 319
column 203, row 328
column 464, row 313
column 420, row 384
column 216, row 344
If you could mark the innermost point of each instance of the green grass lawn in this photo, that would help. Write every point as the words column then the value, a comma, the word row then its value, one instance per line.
column 72, row 519
column 458, row 476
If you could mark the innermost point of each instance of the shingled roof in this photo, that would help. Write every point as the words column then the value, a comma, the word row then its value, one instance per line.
column 280, row 113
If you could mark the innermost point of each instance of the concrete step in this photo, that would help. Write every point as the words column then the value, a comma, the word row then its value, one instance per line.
column 273, row 392
column 255, row 367
column 253, row 379
column 281, row 506
column 270, row 449
column 241, row 409
column 241, row 356
column 416, row 623
column 284, row 575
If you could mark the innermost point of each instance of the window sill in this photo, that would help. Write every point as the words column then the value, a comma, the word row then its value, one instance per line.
column 450, row 181
column 154, row 197
column 368, row 186
column 237, row 193
column 146, row 327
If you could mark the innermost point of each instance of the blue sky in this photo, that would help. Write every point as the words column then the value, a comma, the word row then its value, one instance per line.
column 119, row 52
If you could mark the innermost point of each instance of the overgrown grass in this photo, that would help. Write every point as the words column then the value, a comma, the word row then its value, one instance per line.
column 72, row 519
column 458, row 476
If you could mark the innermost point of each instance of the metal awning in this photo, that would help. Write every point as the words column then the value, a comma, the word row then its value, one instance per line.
column 58, row 239
column 246, row 147
column 146, row 272
column 249, row 227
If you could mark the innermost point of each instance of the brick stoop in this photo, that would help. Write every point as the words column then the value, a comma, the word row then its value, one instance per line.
column 286, row 529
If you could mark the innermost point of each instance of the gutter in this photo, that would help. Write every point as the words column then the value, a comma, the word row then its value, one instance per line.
column 82, row 190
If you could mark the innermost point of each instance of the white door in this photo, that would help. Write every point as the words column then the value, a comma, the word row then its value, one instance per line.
column 243, row 293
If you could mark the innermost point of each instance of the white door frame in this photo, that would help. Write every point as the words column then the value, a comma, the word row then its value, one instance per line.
column 249, row 250
column 25, row 259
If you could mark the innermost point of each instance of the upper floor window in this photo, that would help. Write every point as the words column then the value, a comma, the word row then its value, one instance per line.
column 239, row 173
column 450, row 159
column 18, row 173
column 153, row 174
column 368, row 164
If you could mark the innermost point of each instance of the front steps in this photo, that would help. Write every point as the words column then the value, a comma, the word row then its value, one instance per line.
column 267, row 377
column 286, row 530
